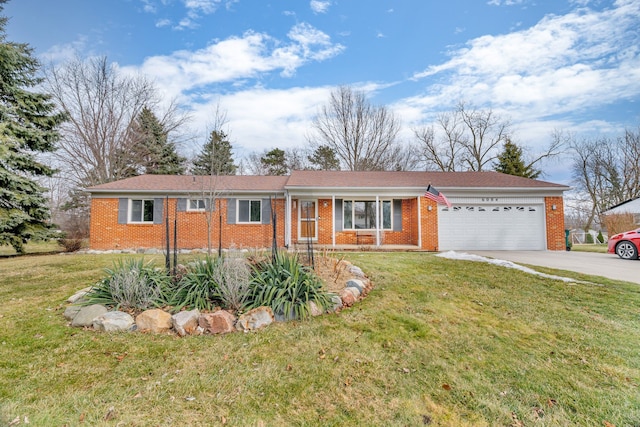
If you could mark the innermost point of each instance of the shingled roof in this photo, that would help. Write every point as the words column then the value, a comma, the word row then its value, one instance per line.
column 193, row 183
column 322, row 180
column 348, row 179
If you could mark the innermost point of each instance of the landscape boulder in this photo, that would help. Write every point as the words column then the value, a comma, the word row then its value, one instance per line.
column 85, row 316
column 347, row 297
column 113, row 321
column 314, row 310
column 186, row 322
column 71, row 311
column 356, row 283
column 220, row 322
column 255, row 319
column 78, row 295
column 155, row 320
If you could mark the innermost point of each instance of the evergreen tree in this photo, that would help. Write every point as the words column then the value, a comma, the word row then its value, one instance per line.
column 152, row 152
column 216, row 157
column 510, row 161
column 324, row 158
column 28, row 126
column 275, row 162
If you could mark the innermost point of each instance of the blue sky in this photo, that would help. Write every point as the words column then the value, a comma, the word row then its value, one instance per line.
column 571, row 65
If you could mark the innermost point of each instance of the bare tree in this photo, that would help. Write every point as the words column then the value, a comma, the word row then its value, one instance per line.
column 102, row 104
column 359, row 132
column 607, row 171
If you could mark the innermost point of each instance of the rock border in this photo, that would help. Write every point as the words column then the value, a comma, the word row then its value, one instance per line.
column 194, row 322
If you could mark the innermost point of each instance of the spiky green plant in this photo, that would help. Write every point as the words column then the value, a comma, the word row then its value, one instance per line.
column 198, row 287
column 287, row 286
column 131, row 284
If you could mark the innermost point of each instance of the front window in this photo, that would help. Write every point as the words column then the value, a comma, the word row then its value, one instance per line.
column 250, row 211
column 361, row 214
column 196, row 204
column 141, row 210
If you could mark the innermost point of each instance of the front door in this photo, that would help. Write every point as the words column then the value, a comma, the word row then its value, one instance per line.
column 308, row 214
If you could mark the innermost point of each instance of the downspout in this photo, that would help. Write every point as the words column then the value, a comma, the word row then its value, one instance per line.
column 333, row 220
column 287, row 219
column 419, row 224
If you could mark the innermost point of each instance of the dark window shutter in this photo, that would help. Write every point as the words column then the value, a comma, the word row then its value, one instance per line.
column 182, row 204
column 338, row 211
column 157, row 210
column 231, row 211
column 123, row 210
column 266, row 211
column 397, row 215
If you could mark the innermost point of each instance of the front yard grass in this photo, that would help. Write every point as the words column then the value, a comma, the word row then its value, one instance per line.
column 437, row 342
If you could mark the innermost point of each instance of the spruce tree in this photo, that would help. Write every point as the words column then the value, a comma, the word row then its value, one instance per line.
column 216, row 157
column 152, row 152
column 28, row 127
column 510, row 161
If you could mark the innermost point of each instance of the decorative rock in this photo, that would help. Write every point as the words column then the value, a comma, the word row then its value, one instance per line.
column 220, row 322
column 78, row 295
column 348, row 299
column 356, row 283
column 314, row 310
column 71, row 311
column 354, row 291
column 255, row 319
column 336, row 302
column 155, row 320
column 113, row 321
column 356, row 271
column 186, row 322
column 86, row 315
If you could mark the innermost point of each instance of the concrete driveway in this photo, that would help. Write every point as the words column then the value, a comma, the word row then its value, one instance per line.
column 597, row 264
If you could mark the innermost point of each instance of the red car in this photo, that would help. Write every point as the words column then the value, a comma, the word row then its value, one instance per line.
column 625, row 245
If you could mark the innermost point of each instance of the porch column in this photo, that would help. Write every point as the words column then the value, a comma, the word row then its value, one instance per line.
column 333, row 220
column 377, row 220
column 419, row 224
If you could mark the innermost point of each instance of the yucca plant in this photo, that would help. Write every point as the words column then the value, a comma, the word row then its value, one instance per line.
column 198, row 287
column 286, row 285
column 131, row 284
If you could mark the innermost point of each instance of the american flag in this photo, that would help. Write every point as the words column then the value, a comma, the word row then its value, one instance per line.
column 436, row 196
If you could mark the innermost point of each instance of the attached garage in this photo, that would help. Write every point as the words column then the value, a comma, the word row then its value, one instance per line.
column 492, row 224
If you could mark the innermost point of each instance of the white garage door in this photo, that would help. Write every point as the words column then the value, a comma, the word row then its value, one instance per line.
column 491, row 227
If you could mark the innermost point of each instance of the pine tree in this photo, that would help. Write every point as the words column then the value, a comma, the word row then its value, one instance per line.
column 28, row 127
column 510, row 161
column 324, row 158
column 153, row 153
column 216, row 157
column 275, row 162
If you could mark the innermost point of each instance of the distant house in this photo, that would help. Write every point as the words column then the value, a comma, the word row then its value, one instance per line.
column 332, row 209
column 631, row 206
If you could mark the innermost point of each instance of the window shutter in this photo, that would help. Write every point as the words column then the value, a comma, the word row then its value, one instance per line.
column 231, row 211
column 182, row 204
column 266, row 211
column 338, row 214
column 157, row 210
column 397, row 215
column 123, row 210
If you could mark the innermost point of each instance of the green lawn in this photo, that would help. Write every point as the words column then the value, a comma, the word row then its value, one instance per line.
column 600, row 248
column 437, row 342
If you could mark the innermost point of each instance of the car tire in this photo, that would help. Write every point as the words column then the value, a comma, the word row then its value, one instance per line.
column 626, row 250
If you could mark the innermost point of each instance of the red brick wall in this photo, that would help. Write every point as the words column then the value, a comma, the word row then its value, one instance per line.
column 106, row 233
column 429, row 219
column 555, row 223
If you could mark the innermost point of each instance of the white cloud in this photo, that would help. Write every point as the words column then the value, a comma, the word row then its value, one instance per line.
column 319, row 6
column 562, row 64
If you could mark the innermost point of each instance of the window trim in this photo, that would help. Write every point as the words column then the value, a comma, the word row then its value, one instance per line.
column 198, row 209
column 142, row 208
column 381, row 202
column 250, row 201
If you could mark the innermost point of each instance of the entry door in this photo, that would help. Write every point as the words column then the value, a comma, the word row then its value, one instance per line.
column 308, row 214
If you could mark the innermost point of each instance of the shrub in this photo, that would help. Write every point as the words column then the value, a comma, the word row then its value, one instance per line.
column 233, row 277
column 70, row 245
column 131, row 284
column 198, row 287
column 619, row 223
column 286, row 285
